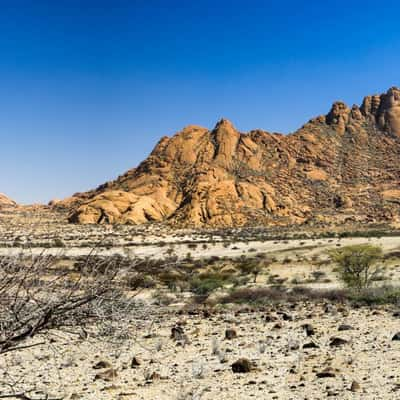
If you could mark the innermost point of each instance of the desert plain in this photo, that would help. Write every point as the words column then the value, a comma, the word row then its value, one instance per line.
column 290, row 332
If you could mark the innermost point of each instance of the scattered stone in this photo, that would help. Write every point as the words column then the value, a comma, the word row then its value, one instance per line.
column 153, row 376
column 108, row 375
column 355, row 387
column 243, row 365
column 75, row 396
column 135, row 362
column 345, row 327
column 286, row 316
column 396, row 336
column 293, row 369
column 309, row 329
column 102, row 365
column 230, row 334
column 310, row 345
column 177, row 333
column 270, row 318
column 328, row 309
column 327, row 373
column 294, row 345
column 337, row 342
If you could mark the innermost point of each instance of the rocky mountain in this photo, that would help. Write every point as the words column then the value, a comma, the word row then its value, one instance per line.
column 6, row 202
column 343, row 166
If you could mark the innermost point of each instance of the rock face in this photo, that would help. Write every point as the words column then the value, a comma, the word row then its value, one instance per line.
column 344, row 166
column 6, row 202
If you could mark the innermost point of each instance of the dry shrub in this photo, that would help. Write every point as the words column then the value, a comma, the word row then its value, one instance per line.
column 280, row 294
column 36, row 296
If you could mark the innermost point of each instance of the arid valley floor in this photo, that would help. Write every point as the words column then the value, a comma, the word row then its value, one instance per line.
column 294, row 332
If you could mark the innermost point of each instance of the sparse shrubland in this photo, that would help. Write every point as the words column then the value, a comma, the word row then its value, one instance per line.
column 284, row 295
column 266, row 296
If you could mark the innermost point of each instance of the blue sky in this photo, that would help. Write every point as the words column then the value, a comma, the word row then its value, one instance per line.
column 88, row 87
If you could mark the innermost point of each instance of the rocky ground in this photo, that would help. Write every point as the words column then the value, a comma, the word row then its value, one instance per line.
column 298, row 351
column 166, row 348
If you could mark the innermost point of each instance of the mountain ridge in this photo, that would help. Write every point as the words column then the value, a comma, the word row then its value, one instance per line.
column 340, row 166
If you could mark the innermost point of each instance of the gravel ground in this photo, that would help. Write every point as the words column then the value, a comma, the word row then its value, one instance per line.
column 272, row 339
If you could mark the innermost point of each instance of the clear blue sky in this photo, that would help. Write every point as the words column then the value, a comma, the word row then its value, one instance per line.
column 88, row 87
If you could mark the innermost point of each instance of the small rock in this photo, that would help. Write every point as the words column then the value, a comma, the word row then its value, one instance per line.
column 154, row 376
column 328, row 309
column 345, row 327
column 230, row 334
column 286, row 316
column 293, row 370
column 177, row 333
column 310, row 345
column 337, row 342
column 326, row 373
column 396, row 336
column 75, row 396
column 355, row 387
column 135, row 362
column 102, row 365
column 243, row 365
column 270, row 318
column 107, row 375
column 309, row 329
column 294, row 345
column 207, row 313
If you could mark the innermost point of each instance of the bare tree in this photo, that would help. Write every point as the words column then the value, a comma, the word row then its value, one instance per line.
column 38, row 297
column 35, row 296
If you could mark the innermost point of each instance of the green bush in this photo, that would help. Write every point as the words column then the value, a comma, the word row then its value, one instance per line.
column 205, row 284
column 252, row 266
column 357, row 264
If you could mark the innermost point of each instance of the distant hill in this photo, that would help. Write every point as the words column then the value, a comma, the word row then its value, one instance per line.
column 6, row 201
column 343, row 166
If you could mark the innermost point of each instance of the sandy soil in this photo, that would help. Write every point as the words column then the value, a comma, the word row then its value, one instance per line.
column 63, row 366
column 279, row 248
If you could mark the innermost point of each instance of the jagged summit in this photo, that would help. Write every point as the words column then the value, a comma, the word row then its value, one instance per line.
column 224, row 123
column 342, row 165
column 382, row 110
